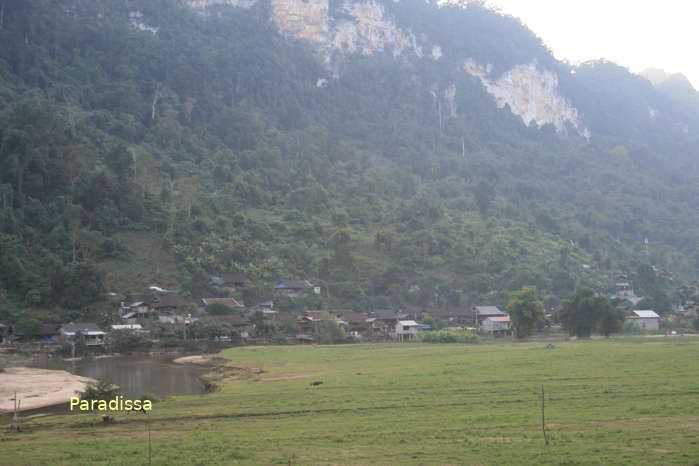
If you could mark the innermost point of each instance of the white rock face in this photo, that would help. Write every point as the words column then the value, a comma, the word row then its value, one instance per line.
column 531, row 94
column 303, row 19
column 136, row 21
column 203, row 5
column 367, row 33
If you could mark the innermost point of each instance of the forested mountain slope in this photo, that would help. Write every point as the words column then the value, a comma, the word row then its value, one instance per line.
column 399, row 154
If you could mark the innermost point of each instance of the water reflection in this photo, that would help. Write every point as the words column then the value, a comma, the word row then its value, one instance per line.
column 135, row 375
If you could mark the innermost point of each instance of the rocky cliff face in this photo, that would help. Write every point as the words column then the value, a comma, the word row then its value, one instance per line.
column 368, row 32
column 364, row 27
column 531, row 93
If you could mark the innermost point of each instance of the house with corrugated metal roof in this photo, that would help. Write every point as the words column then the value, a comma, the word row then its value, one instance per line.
column 407, row 329
column 497, row 325
column 647, row 320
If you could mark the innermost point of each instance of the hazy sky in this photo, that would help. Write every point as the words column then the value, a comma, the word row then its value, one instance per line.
column 636, row 34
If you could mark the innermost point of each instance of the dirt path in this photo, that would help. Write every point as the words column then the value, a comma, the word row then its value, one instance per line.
column 37, row 388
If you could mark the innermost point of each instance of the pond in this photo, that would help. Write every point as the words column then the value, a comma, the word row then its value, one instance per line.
column 135, row 375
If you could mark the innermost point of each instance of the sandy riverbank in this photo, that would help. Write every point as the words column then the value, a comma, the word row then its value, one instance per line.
column 37, row 388
column 198, row 360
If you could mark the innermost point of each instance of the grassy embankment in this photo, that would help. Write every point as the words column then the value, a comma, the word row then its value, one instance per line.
column 631, row 401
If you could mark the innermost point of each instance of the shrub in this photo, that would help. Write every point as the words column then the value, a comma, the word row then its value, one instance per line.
column 448, row 337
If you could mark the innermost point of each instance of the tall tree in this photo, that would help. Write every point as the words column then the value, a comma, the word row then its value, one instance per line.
column 525, row 310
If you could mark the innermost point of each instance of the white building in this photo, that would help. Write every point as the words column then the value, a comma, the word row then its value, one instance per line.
column 645, row 320
column 406, row 329
column 496, row 325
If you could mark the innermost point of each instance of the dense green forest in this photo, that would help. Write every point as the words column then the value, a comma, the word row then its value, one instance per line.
column 212, row 137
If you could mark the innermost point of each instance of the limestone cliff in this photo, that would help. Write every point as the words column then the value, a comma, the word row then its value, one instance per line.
column 363, row 27
column 531, row 93
column 368, row 32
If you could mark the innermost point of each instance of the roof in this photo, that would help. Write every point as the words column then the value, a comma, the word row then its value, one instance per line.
column 499, row 319
column 127, row 327
column 83, row 327
column 137, row 304
column 408, row 323
column 169, row 301
column 489, row 311
column 353, row 317
column 226, row 301
column 293, row 285
column 647, row 314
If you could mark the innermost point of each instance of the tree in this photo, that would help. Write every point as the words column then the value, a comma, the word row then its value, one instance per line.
column 220, row 309
column 586, row 312
column 610, row 319
column 100, row 390
column 484, row 194
column 329, row 332
column 122, row 341
column 526, row 311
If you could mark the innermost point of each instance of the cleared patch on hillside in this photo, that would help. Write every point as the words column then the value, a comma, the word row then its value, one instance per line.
column 148, row 263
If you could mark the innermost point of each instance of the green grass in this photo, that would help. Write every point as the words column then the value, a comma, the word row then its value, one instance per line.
column 627, row 401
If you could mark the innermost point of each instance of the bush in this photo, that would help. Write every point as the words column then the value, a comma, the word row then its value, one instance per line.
column 122, row 341
column 448, row 337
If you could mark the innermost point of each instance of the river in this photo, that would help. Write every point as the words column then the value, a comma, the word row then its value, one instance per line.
column 135, row 375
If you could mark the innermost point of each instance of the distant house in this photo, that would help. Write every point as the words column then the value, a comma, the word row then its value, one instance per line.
column 296, row 287
column 92, row 334
column 625, row 302
column 406, row 329
column 135, row 328
column 481, row 313
column 46, row 333
column 230, row 280
column 136, row 310
column 230, row 302
column 496, row 325
column 169, row 303
column 240, row 323
column 645, row 320
column 356, row 322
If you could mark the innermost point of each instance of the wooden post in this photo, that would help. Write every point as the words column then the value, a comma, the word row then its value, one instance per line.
column 543, row 421
column 149, row 447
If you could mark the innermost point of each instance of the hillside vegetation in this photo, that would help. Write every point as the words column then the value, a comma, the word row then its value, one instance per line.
column 211, row 141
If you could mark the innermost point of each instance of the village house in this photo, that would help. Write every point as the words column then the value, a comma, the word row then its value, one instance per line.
column 46, row 333
column 623, row 286
column 357, row 325
column 92, row 334
column 406, row 329
column 241, row 324
column 169, row 303
column 480, row 313
column 230, row 302
column 646, row 320
column 135, row 328
column 295, row 288
column 498, row 326
column 136, row 310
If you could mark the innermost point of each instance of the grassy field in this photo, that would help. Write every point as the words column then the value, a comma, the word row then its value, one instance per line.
column 627, row 401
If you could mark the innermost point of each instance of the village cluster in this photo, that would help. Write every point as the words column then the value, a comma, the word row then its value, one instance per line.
column 180, row 313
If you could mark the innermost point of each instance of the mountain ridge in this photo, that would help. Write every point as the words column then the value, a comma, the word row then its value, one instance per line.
column 392, row 180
